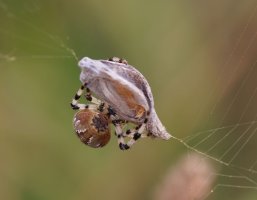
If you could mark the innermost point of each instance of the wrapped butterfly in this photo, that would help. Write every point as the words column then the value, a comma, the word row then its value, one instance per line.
column 124, row 95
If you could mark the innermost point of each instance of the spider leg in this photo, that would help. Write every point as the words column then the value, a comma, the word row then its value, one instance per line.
column 76, row 106
column 101, row 105
column 118, row 125
column 130, row 133
column 119, row 134
column 135, row 134
column 89, row 96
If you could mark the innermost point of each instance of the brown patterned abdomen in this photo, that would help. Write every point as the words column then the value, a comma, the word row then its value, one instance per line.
column 92, row 128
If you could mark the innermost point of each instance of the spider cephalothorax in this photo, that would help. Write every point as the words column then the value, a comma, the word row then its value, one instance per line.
column 124, row 96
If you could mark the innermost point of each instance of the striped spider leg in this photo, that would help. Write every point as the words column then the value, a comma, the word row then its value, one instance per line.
column 118, row 60
column 97, row 104
column 133, row 134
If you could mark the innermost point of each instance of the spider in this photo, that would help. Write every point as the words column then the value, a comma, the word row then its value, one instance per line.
column 85, row 120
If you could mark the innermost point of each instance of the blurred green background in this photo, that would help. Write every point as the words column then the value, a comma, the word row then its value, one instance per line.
column 198, row 56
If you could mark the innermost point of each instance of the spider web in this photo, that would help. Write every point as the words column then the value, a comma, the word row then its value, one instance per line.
column 226, row 143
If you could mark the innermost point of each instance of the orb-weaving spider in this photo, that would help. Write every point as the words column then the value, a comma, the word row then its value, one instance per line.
column 98, row 115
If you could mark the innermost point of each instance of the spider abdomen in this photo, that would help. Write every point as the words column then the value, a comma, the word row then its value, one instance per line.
column 92, row 128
